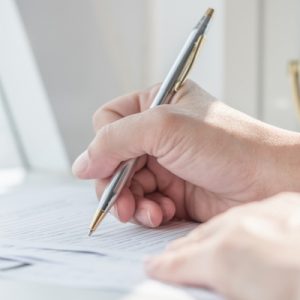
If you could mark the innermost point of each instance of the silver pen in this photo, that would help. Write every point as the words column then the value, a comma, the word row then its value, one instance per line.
column 169, row 87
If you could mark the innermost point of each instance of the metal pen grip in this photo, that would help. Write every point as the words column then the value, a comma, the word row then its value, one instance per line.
column 117, row 183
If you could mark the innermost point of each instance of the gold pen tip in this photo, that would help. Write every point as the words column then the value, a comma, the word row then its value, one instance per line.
column 98, row 217
column 210, row 12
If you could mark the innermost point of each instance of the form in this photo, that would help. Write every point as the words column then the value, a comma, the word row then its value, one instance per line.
column 44, row 237
column 60, row 219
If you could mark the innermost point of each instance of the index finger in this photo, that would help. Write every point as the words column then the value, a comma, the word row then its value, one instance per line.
column 123, row 106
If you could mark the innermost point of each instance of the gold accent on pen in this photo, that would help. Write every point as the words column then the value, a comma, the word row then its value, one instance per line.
column 193, row 55
column 189, row 64
column 98, row 217
column 209, row 12
column 294, row 70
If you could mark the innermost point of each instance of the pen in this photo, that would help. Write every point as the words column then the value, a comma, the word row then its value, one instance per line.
column 172, row 83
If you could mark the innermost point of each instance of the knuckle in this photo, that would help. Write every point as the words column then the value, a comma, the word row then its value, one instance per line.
column 90, row 152
column 96, row 117
column 234, row 240
column 230, row 238
column 174, row 263
column 226, row 245
column 165, row 124
column 164, row 117
column 99, row 144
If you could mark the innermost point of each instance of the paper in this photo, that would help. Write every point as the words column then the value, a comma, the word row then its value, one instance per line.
column 9, row 264
column 60, row 219
column 43, row 237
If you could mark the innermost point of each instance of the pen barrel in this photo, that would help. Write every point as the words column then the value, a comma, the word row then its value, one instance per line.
column 168, row 86
column 167, row 89
column 173, row 81
column 117, row 183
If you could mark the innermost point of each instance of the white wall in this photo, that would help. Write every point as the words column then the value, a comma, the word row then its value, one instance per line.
column 88, row 52
column 171, row 22
column 91, row 51
column 242, row 72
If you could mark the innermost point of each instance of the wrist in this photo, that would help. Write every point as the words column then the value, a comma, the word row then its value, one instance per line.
column 280, row 161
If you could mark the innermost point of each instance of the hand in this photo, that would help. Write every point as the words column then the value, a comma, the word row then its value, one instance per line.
column 198, row 156
column 247, row 253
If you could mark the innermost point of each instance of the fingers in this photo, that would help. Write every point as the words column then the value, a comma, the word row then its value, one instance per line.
column 191, row 265
column 208, row 255
column 114, row 110
column 195, row 259
column 136, row 203
column 124, row 130
column 124, row 208
column 200, row 234
column 123, row 106
column 127, row 138
column 166, row 204
column 133, row 103
column 146, row 180
column 148, row 213
column 139, row 202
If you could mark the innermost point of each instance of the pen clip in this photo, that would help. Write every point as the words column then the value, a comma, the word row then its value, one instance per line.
column 189, row 64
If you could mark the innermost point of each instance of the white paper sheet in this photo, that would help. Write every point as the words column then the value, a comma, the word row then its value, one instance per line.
column 60, row 219
column 45, row 232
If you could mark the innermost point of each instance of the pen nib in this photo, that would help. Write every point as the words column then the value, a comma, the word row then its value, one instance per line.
column 91, row 232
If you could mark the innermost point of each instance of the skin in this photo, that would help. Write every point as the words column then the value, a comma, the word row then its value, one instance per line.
column 250, row 252
column 198, row 158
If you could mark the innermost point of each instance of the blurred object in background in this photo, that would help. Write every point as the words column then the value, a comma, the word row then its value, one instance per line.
column 30, row 140
column 294, row 72
column 281, row 43
column 63, row 59
column 89, row 52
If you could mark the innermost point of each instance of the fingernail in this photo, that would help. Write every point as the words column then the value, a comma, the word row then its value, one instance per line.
column 80, row 164
column 143, row 217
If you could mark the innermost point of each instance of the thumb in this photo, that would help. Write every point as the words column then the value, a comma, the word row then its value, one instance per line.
column 151, row 132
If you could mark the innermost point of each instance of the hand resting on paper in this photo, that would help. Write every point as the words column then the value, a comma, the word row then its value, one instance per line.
column 250, row 252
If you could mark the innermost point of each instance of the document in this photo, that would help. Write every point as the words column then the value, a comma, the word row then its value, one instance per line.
column 60, row 219
column 44, row 238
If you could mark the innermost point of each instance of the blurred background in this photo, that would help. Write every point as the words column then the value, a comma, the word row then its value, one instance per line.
column 62, row 59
